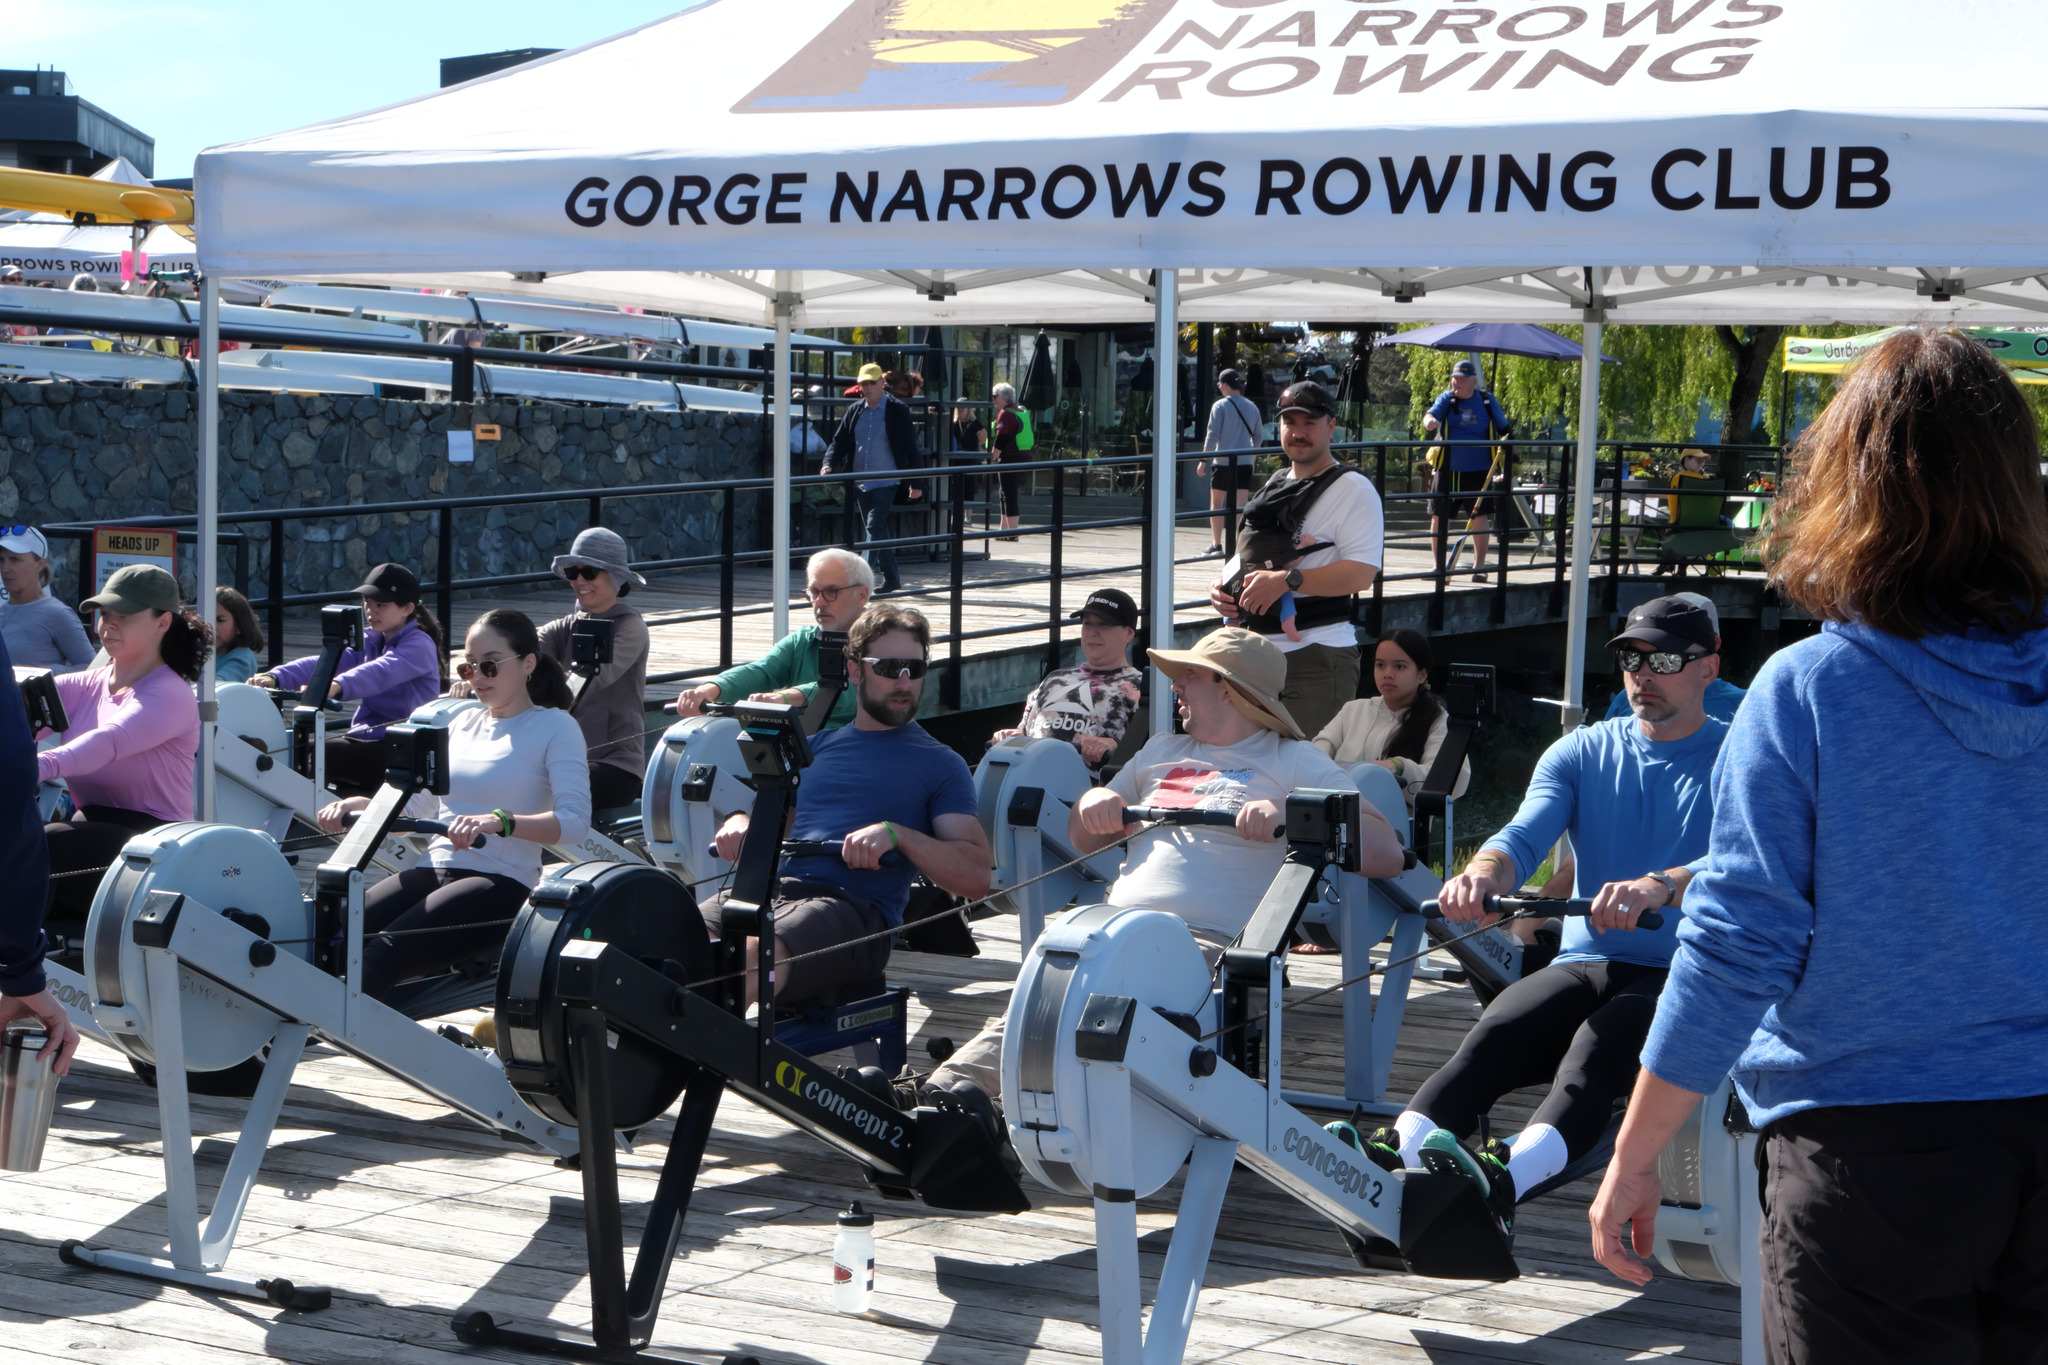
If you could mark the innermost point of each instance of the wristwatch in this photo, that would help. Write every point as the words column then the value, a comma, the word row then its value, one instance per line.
column 1294, row 580
column 1669, row 885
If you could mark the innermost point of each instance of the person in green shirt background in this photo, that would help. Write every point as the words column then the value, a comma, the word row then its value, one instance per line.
column 839, row 583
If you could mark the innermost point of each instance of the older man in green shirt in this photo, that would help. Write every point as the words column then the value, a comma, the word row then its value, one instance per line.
column 839, row 584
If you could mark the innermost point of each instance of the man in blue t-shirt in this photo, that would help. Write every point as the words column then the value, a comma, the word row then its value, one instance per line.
column 1634, row 798
column 879, row 786
column 1469, row 423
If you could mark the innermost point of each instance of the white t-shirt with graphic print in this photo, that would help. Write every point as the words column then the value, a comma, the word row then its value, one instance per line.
column 1204, row 873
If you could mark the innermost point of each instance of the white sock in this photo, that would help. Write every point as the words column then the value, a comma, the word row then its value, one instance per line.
column 1412, row 1128
column 1534, row 1155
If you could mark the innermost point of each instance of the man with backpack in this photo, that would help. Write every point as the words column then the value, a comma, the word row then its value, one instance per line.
column 1234, row 426
column 1468, row 421
column 1329, row 516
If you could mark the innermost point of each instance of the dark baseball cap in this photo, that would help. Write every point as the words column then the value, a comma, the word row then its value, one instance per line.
column 1668, row 623
column 1465, row 369
column 1111, row 606
column 1234, row 378
column 136, row 587
column 390, row 583
column 1310, row 397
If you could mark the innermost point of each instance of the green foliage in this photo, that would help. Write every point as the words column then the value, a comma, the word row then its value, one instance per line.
column 1653, row 394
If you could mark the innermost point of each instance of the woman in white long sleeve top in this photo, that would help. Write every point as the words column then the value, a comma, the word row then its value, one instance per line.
column 518, row 774
column 1402, row 728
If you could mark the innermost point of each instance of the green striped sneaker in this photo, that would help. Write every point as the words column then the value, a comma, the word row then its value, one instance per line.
column 1443, row 1154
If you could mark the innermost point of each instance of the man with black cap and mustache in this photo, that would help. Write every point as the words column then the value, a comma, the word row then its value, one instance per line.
column 1331, row 513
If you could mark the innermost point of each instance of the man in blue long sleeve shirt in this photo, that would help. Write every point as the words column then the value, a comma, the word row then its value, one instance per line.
column 1633, row 797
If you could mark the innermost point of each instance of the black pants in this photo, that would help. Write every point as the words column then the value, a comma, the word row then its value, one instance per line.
column 611, row 787
column 1012, row 484
column 355, row 767
column 1578, row 1025
column 1907, row 1232
column 92, row 839
column 464, row 912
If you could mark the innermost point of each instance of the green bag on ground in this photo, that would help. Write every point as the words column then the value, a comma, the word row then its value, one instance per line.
column 1025, row 440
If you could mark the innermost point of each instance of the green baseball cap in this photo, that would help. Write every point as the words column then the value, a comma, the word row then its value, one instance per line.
column 134, row 588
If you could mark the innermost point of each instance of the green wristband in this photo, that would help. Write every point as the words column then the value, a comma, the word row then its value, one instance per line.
column 894, row 842
column 504, row 824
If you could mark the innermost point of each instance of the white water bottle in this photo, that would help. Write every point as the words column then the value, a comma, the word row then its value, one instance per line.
column 853, row 1261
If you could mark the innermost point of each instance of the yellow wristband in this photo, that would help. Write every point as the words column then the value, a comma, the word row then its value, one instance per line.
column 894, row 842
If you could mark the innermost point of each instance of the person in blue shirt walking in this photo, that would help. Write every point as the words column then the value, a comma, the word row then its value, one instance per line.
column 876, row 436
column 1866, row 949
column 1469, row 421
column 1633, row 797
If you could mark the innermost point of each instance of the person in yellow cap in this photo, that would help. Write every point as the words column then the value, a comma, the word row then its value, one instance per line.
column 876, row 437
column 1241, row 752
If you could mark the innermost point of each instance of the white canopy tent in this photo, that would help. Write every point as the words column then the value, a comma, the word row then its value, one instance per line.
column 942, row 161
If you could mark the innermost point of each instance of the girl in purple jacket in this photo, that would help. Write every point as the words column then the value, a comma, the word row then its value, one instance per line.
column 398, row 668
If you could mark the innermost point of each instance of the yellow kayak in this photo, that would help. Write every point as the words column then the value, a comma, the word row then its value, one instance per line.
column 105, row 202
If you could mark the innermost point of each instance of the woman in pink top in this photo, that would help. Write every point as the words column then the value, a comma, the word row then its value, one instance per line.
column 128, row 756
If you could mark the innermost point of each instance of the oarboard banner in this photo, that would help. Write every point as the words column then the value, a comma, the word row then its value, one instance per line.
column 953, row 134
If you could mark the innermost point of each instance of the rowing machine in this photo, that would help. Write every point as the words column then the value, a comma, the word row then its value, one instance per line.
column 1024, row 789
column 591, row 1026
column 202, row 954
column 1119, row 1068
column 590, row 649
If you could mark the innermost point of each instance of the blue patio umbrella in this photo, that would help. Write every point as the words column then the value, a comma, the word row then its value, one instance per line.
column 1505, row 338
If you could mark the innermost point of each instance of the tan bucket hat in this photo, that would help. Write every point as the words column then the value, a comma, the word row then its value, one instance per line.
column 1253, row 668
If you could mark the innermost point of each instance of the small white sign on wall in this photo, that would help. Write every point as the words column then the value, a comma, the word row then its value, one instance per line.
column 461, row 447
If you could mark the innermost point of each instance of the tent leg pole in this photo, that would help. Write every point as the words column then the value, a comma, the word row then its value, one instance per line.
column 1165, row 445
column 209, row 520
column 1582, row 508
column 779, row 572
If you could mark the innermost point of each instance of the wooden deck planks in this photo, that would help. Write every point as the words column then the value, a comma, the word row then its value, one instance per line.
column 410, row 1214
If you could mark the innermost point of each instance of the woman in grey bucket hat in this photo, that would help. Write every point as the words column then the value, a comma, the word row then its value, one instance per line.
column 603, row 549
column 613, row 711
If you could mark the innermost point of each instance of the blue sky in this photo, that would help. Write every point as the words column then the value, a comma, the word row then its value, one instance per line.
column 194, row 74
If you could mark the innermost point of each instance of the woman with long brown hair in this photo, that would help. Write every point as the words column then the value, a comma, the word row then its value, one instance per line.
column 1865, row 950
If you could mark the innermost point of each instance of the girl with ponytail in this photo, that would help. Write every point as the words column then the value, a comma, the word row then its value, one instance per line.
column 517, row 775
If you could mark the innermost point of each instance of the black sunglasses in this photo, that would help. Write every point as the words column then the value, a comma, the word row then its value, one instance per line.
column 1661, row 661
column 896, row 668
column 585, row 571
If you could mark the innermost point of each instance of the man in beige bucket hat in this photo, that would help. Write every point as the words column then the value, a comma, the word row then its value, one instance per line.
column 1241, row 752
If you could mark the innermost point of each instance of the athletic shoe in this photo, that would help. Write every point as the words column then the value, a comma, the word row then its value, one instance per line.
column 1443, row 1154
column 1213, row 552
column 1500, row 1196
column 1373, row 1148
column 1480, row 578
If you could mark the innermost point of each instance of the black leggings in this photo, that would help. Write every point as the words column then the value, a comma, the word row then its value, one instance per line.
column 1011, row 486
column 1579, row 1026
column 465, row 908
column 91, row 839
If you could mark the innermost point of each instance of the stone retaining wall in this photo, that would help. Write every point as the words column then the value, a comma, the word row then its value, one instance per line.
column 89, row 453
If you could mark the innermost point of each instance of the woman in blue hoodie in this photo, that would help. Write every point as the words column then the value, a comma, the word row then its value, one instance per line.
column 1866, row 950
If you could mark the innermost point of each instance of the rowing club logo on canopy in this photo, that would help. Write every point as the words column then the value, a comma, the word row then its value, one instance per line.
column 957, row 54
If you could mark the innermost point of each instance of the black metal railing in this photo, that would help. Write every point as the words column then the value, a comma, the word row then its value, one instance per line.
column 1531, row 503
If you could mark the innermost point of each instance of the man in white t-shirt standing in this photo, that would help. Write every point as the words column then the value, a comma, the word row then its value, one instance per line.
column 1241, row 752
column 1346, row 527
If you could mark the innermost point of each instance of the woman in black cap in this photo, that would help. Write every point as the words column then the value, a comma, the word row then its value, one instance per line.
column 398, row 668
